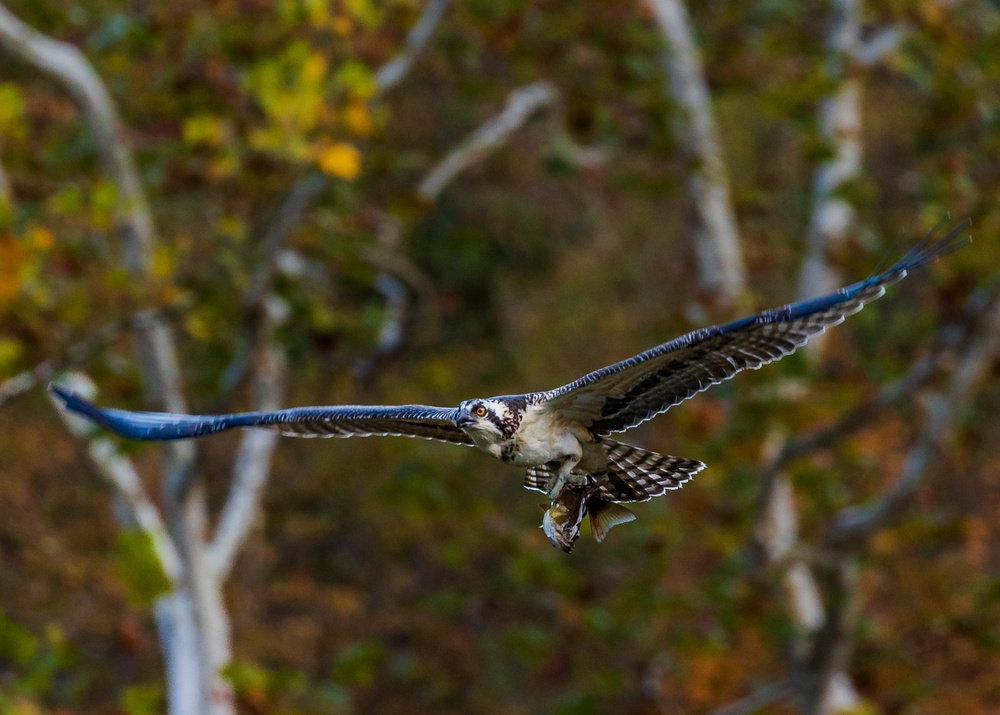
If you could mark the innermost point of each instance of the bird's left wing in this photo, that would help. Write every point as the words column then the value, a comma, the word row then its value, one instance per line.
column 621, row 396
column 436, row 423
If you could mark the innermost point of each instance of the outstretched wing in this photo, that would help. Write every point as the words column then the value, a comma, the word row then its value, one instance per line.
column 337, row 421
column 621, row 396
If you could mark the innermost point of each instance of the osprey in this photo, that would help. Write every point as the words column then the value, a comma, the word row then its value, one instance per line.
column 563, row 436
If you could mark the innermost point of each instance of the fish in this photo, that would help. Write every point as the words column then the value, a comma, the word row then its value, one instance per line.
column 567, row 509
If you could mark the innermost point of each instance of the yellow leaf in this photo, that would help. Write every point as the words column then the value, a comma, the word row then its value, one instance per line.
column 10, row 351
column 357, row 118
column 197, row 327
column 364, row 11
column 162, row 262
column 41, row 238
column 314, row 67
column 11, row 110
column 11, row 258
column 342, row 25
column 356, row 78
column 103, row 204
column 318, row 12
column 341, row 160
column 204, row 129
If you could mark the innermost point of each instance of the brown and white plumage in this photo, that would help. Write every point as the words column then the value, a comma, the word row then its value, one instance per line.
column 561, row 436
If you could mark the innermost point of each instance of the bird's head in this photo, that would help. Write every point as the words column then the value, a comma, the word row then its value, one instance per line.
column 485, row 421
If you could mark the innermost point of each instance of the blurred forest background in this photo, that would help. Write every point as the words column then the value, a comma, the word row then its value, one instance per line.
column 239, row 203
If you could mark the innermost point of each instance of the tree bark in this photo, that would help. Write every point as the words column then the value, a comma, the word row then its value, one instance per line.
column 832, row 216
column 720, row 258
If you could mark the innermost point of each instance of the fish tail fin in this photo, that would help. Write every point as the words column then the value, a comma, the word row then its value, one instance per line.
column 605, row 515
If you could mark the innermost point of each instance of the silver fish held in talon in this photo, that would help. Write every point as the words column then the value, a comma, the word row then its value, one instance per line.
column 562, row 519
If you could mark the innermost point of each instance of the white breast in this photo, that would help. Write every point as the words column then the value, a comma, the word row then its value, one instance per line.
column 543, row 437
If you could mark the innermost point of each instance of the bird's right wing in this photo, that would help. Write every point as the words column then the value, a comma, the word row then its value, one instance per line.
column 436, row 423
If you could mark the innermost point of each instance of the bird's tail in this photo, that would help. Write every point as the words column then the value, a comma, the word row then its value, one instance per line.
column 636, row 474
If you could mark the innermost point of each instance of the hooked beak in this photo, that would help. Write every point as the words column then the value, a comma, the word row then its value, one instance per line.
column 465, row 420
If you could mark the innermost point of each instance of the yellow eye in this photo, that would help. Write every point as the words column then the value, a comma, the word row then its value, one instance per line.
column 480, row 411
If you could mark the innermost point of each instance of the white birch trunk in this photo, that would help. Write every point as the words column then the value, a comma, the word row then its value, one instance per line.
column 832, row 217
column 720, row 259
column 179, row 640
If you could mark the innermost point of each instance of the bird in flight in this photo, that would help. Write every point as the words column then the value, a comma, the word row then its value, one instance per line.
column 563, row 436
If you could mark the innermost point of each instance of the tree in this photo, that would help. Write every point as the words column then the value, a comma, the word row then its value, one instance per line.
column 392, row 202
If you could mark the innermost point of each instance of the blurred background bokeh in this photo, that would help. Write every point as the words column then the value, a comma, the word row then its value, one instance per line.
column 294, row 222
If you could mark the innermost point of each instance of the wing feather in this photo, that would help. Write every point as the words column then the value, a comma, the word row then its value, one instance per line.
column 623, row 395
column 437, row 423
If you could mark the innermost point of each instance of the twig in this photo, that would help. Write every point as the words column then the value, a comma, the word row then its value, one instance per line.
column 762, row 697
column 853, row 524
column 6, row 193
column 67, row 65
column 521, row 105
column 288, row 217
column 874, row 48
column 391, row 73
column 862, row 415
column 253, row 458
column 44, row 371
column 184, row 506
column 820, row 650
column 270, row 253
column 392, row 335
column 76, row 356
column 720, row 257
column 117, row 470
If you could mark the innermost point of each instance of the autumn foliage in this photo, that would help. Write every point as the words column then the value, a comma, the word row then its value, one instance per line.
column 402, row 576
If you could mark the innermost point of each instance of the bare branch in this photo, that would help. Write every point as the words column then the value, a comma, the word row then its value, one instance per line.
column 856, row 523
column 117, row 470
column 821, row 653
column 44, row 371
column 271, row 259
column 305, row 191
column 289, row 215
column 184, row 501
column 74, row 357
column 391, row 73
column 67, row 65
column 874, row 48
column 253, row 458
column 521, row 105
column 760, row 698
column 392, row 335
column 272, row 254
column 6, row 193
column 720, row 257
column 832, row 216
column 857, row 418
column 777, row 532
column 822, row 685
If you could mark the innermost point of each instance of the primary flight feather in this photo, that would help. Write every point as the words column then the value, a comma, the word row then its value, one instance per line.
column 562, row 436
